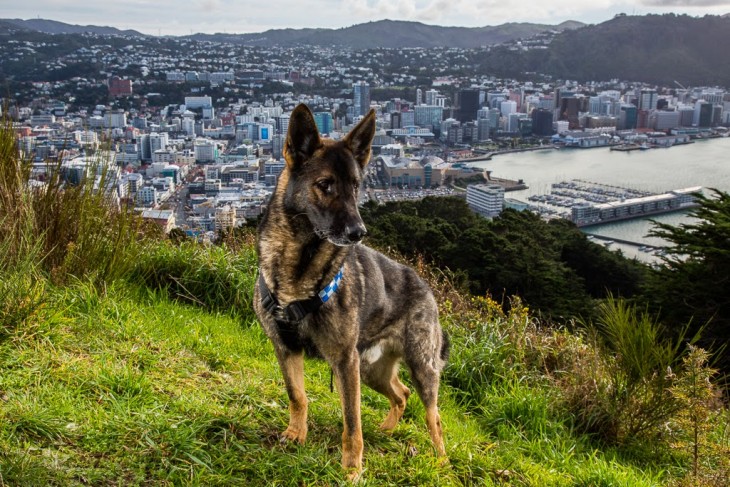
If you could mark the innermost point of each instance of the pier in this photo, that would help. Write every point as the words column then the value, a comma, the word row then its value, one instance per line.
column 622, row 241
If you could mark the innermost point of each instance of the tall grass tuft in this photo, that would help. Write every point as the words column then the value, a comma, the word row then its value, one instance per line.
column 621, row 391
column 77, row 230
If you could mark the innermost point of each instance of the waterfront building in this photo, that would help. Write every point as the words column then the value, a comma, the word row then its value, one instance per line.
column 702, row 114
column 648, row 100
column 483, row 131
column 542, row 122
column 628, row 117
column 664, row 120
column 485, row 199
column 584, row 214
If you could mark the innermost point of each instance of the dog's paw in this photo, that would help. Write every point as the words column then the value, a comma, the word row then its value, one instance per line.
column 354, row 475
column 293, row 435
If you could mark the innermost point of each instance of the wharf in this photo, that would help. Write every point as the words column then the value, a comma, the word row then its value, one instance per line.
column 586, row 203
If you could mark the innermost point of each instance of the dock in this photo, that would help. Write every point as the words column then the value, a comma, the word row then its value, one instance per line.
column 586, row 203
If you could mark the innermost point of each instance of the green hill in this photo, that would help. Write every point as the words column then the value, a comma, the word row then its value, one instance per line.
column 129, row 358
column 653, row 48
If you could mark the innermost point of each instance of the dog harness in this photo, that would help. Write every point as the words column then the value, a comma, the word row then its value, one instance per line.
column 295, row 312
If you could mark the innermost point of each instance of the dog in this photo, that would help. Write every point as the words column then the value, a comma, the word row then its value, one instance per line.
column 321, row 291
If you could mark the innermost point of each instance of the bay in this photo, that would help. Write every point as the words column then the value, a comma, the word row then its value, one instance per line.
column 704, row 163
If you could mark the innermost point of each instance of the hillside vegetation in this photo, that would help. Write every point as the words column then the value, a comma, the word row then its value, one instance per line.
column 130, row 359
column 653, row 48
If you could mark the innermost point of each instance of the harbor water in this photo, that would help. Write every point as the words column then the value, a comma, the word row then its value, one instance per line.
column 705, row 163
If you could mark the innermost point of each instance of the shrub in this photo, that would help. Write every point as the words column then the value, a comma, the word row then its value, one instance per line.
column 620, row 390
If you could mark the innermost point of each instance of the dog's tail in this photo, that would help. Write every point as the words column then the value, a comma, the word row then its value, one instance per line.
column 445, row 346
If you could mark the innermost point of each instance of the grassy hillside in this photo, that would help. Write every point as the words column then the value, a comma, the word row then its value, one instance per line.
column 125, row 386
column 129, row 359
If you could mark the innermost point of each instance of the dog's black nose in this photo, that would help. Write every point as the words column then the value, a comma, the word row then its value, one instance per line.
column 356, row 233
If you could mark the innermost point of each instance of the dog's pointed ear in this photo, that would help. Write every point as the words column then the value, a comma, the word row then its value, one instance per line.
column 359, row 139
column 302, row 138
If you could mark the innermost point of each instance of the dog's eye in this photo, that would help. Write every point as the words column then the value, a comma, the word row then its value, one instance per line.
column 325, row 185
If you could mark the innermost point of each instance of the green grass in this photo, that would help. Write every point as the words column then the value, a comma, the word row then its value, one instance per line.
column 127, row 359
column 127, row 386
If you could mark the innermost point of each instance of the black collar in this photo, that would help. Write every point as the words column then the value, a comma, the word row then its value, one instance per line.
column 296, row 311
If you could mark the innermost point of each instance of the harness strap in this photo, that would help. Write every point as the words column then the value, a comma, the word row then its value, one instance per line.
column 296, row 311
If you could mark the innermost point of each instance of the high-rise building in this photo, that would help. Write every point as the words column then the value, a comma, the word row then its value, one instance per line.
column 158, row 141
column 361, row 98
column 431, row 97
column 419, row 96
column 428, row 116
column 542, row 122
column 468, row 104
column 628, row 117
column 324, row 122
column 703, row 114
column 507, row 107
column 569, row 109
column 648, row 100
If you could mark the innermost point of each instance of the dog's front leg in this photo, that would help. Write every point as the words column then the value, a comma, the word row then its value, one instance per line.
column 347, row 375
column 292, row 367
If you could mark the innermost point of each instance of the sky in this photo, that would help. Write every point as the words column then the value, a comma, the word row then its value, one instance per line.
column 183, row 17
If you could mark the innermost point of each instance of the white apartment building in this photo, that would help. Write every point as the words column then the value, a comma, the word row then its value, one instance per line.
column 485, row 199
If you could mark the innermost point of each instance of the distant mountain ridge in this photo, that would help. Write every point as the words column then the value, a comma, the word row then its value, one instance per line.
column 391, row 34
column 382, row 33
column 54, row 27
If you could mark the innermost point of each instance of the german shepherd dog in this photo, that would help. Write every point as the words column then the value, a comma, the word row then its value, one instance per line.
column 320, row 291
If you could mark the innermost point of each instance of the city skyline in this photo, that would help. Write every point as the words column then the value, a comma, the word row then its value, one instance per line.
column 165, row 17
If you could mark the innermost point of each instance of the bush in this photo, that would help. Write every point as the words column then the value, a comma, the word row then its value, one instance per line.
column 620, row 391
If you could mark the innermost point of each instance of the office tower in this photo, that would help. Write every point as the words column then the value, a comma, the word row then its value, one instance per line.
column 324, row 122
column 361, row 99
column 468, row 104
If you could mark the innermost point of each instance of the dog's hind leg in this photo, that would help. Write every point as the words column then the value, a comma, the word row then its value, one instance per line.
column 292, row 367
column 382, row 376
column 425, row 377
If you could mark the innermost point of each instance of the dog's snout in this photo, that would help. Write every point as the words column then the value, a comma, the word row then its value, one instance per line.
column 355, row 233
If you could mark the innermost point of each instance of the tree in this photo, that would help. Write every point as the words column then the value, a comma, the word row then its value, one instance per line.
column 694, row 283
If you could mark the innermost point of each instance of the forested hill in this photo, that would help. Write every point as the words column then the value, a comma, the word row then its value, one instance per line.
column 392, row 34
column 657, row 49
column 552, row 266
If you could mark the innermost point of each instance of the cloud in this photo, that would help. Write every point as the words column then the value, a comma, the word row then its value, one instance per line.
column 685, row 3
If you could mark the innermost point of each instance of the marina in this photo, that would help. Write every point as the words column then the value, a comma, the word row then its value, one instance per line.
column 586, row 203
